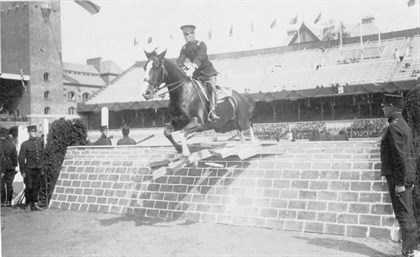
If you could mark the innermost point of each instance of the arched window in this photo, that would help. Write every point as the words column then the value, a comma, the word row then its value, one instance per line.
column 85, row 96
column 72, row 96
column 72, row 111
column 47, row 110
column 47, row 95
column 46, row 76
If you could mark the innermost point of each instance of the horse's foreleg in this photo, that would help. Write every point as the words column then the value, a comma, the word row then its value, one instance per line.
column 168, row 134
column 193, row 126
column 241, row 136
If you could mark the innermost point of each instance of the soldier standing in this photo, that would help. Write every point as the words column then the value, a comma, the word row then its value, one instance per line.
column 104, row 139
column 202, row 68
column 126, row 140
column 9, row 164
column 398, row 166
column 31, row 163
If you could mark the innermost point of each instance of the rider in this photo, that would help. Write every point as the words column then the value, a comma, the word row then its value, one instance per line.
column 202, row 68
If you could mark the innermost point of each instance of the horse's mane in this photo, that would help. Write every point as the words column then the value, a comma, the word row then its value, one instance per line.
column 172, row 64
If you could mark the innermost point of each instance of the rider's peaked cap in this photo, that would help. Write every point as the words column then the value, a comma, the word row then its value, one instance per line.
column 396, row 101
column 186, row 29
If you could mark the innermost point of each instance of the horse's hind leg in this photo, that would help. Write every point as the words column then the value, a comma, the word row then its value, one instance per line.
column 251, row 134
column 168, row 134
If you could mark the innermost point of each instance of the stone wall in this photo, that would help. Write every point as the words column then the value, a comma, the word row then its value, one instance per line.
column 322, row 187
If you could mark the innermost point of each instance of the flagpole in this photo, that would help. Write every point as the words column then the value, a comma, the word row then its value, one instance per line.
column 341, row 36
column 361, row 37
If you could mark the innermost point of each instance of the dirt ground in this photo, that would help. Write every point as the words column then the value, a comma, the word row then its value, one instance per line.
column 70, row 233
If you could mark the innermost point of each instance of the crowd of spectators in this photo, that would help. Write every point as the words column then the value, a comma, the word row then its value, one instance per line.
column 12, row 117
column 367, row 128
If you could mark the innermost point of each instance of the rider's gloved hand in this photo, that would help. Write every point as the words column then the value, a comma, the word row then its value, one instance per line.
column 191, row 70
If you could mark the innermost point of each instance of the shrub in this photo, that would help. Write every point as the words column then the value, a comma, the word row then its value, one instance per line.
column 411, row 114
column 63, row 133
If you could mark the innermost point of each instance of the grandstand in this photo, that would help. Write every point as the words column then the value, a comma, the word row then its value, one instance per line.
column 314, row 83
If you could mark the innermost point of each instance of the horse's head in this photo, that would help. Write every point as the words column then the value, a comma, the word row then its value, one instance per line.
column 155, row 73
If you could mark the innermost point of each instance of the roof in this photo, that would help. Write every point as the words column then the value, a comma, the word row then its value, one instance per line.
column 126, row 88
column 110, row 67
column 79, row 79
column 76, row 67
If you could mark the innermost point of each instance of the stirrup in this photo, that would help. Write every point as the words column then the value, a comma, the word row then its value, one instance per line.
column 213, row 116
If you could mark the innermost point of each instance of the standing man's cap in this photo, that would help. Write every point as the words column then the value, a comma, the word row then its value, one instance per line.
column 104, row 128
column 187, row 29
column 396, row 101
column 125, row 129
column 31, row 128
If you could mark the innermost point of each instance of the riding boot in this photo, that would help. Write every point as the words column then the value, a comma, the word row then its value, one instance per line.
column 212, row 113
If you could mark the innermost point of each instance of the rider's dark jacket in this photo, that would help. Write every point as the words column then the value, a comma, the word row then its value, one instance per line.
column 196, row 52
column 397, row 152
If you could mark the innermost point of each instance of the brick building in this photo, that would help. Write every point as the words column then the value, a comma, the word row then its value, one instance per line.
column 31, row 50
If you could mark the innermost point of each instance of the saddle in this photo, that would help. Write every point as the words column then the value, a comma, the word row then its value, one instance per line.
column 221, row 92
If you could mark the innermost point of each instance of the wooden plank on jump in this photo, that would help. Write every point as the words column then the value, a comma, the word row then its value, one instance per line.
column 159, row 172
column 245, row 152
column 159, row 163
column 177, row 165
column 225, row 152
column 213, row 164
column 203, row 154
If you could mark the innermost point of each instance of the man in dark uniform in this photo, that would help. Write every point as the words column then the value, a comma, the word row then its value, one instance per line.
column 31, row 156
column 202, row 68
column 126, row 140
column 398, row 166
column 104, row 139
column 9, row 164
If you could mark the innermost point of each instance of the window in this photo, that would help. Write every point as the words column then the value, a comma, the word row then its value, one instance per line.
column 85, row 96
column 47, row 110
column 72, row 111
column 46, row 76
column 72, row 96
column 47, row 95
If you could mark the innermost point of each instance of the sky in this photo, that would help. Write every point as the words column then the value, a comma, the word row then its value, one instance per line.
column 112, row 33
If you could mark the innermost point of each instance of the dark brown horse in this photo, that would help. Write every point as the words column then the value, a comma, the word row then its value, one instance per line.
column 188, row 103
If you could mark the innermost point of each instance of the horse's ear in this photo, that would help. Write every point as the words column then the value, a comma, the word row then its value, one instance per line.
column 149, row 55
column 162, row 55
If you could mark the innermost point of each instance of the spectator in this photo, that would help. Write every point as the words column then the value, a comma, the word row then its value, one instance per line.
column 126, row 140
column 31, row 157
column 104, row 139
column 398, row 167
column 8, row 173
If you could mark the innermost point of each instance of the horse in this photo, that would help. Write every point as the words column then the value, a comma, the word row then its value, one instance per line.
column 188, row 103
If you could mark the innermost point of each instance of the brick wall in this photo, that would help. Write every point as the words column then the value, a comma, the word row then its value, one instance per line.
column 322, row 187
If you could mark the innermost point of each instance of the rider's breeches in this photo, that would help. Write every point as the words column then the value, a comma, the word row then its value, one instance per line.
column 211, row 81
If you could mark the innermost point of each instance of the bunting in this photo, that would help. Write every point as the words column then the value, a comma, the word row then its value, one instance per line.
column 149, row 40
column 293, row 20
column 411, row 3
column 317, row 18
column 273, row 23
column 89, row 6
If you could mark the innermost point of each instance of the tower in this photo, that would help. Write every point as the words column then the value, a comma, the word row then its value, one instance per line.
column 31, row 45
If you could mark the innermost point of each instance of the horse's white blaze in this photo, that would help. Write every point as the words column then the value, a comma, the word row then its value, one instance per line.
column 147, row 71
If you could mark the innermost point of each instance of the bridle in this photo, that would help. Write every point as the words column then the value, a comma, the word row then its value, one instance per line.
column 162, row 84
